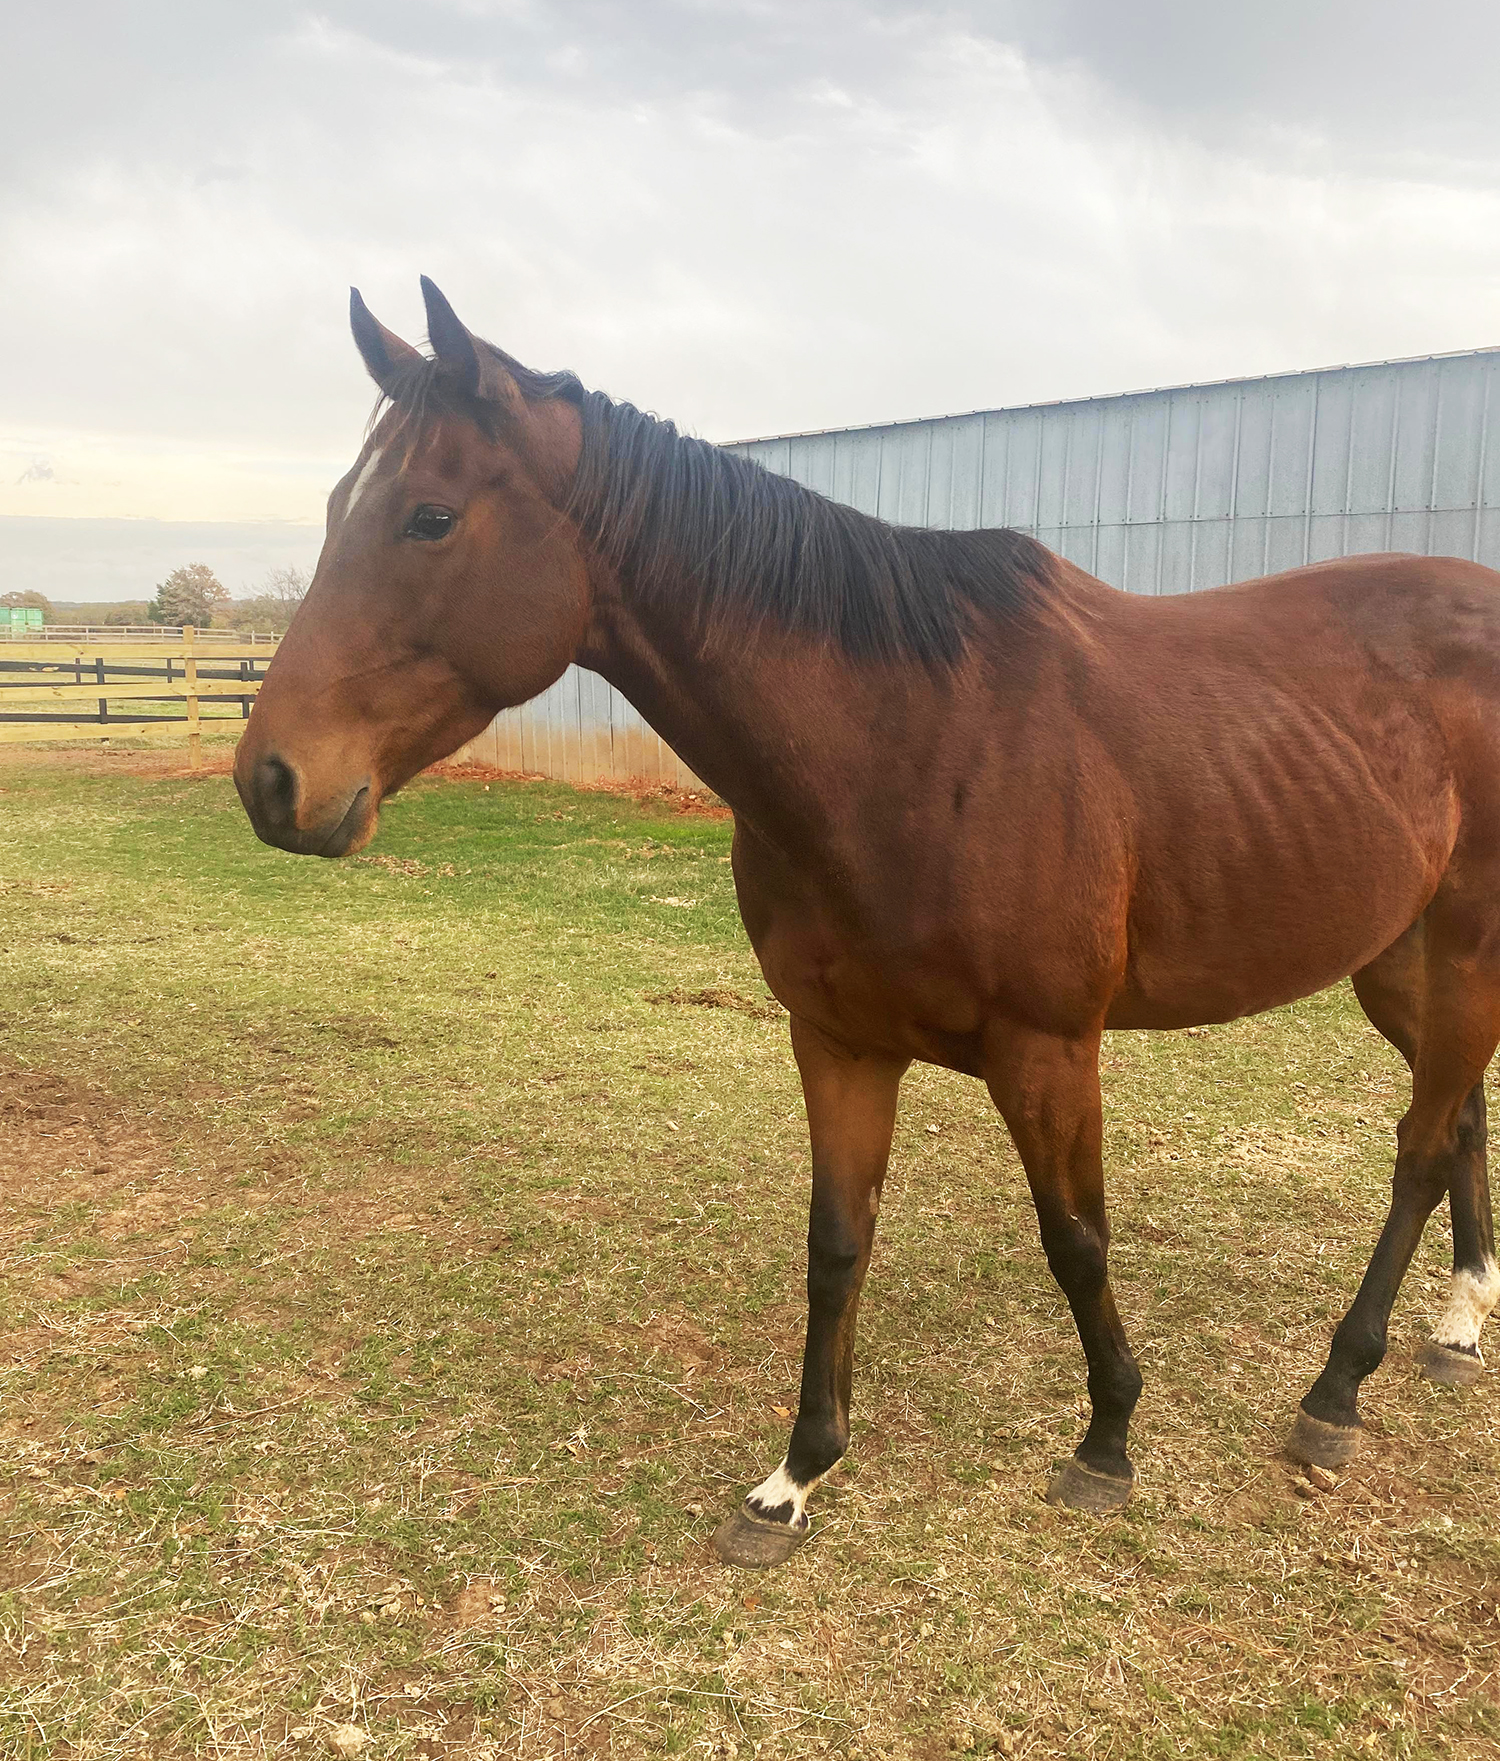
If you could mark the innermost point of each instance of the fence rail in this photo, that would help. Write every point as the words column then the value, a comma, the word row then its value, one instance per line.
column 44, row 685
column 155, row 634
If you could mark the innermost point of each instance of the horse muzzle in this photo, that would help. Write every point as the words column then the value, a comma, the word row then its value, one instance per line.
column 284, row 812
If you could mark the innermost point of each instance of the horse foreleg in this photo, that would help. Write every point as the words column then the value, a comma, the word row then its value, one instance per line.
column 851, row 1113
column 1047, row 1089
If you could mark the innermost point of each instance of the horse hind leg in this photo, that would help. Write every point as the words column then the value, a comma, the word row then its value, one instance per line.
column 1436, row 996
column 1452, row 1354
column 1391, row 991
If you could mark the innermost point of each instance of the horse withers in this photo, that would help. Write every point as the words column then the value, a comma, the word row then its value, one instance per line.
column 986, row 808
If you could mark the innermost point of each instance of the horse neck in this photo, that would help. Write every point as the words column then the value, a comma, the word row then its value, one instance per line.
column 787, row 731
column 787, row 724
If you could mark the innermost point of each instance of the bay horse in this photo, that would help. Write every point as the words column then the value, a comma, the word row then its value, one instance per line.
column 986, row 807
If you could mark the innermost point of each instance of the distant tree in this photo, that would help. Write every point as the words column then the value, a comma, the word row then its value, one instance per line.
column 281, row 592
column 287, row 586
column 192, row 594
column 261, row 612
column 127, row 611
column 40, row 600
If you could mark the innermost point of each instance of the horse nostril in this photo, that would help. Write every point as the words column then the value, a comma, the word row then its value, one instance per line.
column 276, row 790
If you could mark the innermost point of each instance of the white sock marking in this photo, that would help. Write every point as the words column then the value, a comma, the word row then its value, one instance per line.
column 1470, row 1299
column 361, row 480
column 780, row 1488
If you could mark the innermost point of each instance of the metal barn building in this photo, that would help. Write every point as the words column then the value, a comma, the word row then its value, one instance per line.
column 1155, row 491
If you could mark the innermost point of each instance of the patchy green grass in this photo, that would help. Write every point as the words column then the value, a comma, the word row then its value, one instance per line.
column 401, row 1275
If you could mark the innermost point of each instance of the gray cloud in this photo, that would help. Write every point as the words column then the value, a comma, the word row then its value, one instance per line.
column 1379, row 82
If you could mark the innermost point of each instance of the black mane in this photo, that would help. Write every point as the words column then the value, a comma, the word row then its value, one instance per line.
column 665, row 509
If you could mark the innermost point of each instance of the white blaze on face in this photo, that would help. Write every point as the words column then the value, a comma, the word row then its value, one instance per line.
column 779, row 1489
column 1471, row 1296
column 361, row 480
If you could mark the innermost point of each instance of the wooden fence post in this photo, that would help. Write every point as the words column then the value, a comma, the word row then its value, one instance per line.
column 190, row 677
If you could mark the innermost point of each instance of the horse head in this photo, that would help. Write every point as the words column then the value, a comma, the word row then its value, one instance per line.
column 451, row 585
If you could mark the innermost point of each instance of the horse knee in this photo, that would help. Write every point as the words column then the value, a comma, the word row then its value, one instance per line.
column 1079, row 1258
column 1422, row 1187
column 835, row 1258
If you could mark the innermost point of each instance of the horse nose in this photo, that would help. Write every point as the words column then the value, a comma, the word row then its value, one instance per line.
column 274, row 790
column 299, row 814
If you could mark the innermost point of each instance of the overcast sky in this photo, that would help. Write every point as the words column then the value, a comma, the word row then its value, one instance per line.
column 755, row 216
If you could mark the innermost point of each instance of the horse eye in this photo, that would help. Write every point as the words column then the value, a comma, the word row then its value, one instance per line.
column 430, row 522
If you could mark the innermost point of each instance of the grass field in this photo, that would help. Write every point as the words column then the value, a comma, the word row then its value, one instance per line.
column 402, row 1271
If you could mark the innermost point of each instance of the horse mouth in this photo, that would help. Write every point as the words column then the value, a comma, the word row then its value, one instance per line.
column 354, row 830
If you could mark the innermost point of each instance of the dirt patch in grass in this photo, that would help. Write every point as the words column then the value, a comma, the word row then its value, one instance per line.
column 644, row 791
column 404, row 865
column 170, row 762
column 124, row 757
column 719, row 997
column 62, row 1144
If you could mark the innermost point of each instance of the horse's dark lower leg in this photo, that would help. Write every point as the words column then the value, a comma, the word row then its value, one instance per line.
column 1332, row 1403
column 1048, row 1091
column 1392, row 990
column 1440, row 1148
column 1076, row 1250
column 851, row 1113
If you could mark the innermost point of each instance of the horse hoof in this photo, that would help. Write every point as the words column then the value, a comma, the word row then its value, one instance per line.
column 1082, row 1488
column 1320, row 1444
column 1450, row 1366
column 749, row 1540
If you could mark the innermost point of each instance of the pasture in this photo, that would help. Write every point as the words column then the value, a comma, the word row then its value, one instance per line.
column 402, row 1275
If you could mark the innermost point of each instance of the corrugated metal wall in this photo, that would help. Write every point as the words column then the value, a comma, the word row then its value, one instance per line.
column 1156, row 492
column 1168, row 491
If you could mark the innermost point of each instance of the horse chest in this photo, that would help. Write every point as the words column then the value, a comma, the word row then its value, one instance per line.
column 854, row 994
column 921, row 992
column 919, row 956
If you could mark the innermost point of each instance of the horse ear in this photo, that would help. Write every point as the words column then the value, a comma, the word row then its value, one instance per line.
column 384, row 352
column 450, row 340
column 475, row 367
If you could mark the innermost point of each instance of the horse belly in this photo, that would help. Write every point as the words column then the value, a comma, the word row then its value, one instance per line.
column 1250, row 922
